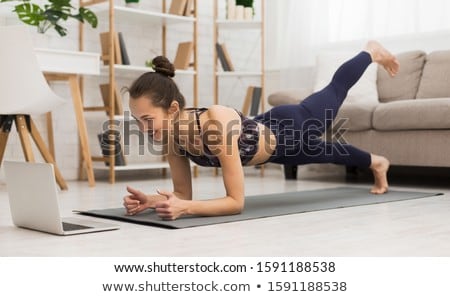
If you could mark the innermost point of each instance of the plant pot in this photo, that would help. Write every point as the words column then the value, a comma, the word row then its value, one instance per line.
column 248, row 13
column 132, row 5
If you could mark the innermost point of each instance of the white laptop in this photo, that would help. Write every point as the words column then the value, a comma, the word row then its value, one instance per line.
column 33, row 199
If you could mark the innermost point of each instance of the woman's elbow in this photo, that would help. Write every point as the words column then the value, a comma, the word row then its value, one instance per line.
column 238, row 207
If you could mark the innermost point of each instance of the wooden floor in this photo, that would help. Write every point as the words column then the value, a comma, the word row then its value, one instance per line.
column 408, row 228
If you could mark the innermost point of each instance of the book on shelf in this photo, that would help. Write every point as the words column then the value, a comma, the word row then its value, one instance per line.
column 118, row 107
column 183, row 56
column 256, row 101
column 117, row 52
column 224, row 57
column 247, row 100
column 227, row 57
column 106, row 139
column 252, row 101
column 123, row 50
column 178, row 7
column 105, row 45
column 189, row 9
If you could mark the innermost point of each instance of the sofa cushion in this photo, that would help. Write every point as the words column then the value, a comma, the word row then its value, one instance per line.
column 414, row 114
column 356, row 116
column 405, row 84
column 364, row 90
column 435, row 82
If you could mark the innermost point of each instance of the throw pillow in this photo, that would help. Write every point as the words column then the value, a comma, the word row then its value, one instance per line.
column 435, row 82
column 365, row 89
column 405, row 84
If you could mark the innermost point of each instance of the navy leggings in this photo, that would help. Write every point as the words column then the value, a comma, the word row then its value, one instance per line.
column 299, row 127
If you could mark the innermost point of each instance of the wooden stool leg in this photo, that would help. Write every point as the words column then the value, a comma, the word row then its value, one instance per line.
column 82, row 130
column 50, row 137
column 47, row 155
column 81, row 170
column 3, row 141
column 24, row 136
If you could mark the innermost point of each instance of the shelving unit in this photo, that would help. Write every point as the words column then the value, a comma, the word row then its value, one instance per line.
column 221, row 24
column 107, row 10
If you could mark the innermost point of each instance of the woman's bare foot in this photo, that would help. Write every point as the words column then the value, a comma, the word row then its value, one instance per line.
column 379, row 167
column 383, row 57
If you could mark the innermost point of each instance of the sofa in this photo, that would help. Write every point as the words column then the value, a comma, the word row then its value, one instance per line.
column 408, row 122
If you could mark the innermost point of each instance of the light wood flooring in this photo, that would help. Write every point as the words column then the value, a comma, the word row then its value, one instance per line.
column 408, row 228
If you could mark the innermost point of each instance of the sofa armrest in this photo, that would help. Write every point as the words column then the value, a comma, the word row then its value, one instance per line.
column 289, row 96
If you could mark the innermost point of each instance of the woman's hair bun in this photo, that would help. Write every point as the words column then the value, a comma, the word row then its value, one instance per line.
column 162, row 65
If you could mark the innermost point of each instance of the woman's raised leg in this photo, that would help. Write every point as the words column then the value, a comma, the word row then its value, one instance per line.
column 325, row 103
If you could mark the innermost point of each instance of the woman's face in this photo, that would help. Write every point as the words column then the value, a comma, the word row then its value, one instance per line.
column 152, row 120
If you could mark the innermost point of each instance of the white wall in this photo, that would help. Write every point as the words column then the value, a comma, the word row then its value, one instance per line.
column 142, row 43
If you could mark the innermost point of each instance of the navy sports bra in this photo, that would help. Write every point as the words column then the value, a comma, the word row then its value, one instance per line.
column 247, row 143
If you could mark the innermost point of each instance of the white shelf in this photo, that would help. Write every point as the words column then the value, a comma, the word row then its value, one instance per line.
column 127, row 70
column 139, row 16
column 62, row 61
column 139, row 166
column 238, row 25
column 238, row 73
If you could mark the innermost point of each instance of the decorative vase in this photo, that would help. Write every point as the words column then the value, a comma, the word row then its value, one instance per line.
column 231, row 8
column 248, row 13
column 239, row 12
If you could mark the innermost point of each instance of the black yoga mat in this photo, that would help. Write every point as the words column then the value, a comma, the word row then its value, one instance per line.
column 261, row 206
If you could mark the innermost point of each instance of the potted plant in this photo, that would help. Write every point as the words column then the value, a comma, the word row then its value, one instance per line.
column 248, row 7
column 51, row 14
column 132, row 3
column 245, row 3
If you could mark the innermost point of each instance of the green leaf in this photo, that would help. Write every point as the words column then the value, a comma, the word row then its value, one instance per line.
column 89, row 16
column 51, row 13
column 60, row 3
column 61, row 31
column 29, row 13
column 54, row 16
column 245, row 3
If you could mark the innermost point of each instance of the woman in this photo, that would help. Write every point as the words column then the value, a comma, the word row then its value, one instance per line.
column 221, row 136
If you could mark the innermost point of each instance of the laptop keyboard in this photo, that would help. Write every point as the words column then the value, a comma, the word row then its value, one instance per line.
column 71, row 227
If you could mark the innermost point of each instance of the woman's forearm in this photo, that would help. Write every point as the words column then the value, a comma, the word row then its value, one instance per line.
column 214, row 207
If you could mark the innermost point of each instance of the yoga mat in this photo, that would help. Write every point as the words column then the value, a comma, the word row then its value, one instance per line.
column 261, row 206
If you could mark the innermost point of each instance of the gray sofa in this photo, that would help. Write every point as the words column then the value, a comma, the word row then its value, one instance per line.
column 410, row 125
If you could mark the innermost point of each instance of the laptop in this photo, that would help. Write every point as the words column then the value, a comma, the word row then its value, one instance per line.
column 33, row 199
